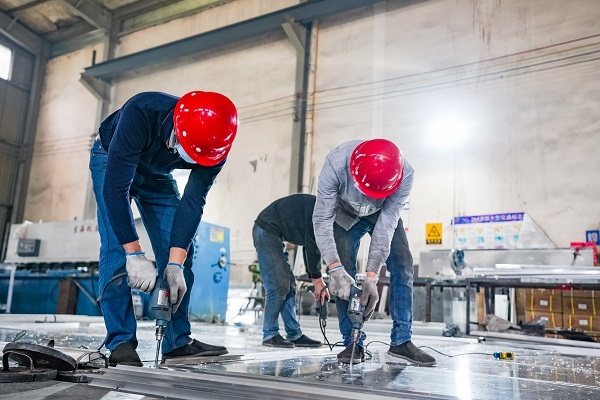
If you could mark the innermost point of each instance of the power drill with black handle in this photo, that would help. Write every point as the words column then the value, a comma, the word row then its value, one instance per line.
column 161, row 310
column 355, row 313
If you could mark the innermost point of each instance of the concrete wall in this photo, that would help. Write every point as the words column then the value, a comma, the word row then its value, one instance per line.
column 530, row 133
column 68, row 115
column 517, row 74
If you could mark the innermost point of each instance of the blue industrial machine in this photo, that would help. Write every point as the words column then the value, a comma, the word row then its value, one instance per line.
column 36, row 292
column 208, row 298
column 34, row 287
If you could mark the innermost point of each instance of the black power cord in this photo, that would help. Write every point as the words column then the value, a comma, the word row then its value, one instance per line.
column 323, row 322
column 114, row 278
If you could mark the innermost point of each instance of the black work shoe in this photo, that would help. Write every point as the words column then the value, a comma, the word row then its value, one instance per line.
column 412, row 353
column 305, row 341
column 278, row 341
column 346, row 355
column 209, row 349
column 124, row 354
column 189, row 350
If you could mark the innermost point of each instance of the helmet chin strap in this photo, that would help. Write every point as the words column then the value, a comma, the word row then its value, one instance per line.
column 174, row 144
column 183, row 154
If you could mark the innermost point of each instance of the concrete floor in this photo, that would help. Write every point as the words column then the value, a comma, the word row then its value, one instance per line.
column 538, row 372
column 467, row 371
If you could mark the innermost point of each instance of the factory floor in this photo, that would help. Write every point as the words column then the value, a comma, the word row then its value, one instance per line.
column 539, row 371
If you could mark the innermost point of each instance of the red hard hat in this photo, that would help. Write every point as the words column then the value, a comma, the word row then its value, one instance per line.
column 377, row 168
column 205, row 125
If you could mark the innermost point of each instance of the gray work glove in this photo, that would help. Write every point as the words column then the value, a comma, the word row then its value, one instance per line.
column 141, row 272
column 177, row 287
column 340, row 283
column 370, row 296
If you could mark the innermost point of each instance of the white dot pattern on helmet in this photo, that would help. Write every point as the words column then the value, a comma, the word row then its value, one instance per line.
column 184, row 133
column 198, row 150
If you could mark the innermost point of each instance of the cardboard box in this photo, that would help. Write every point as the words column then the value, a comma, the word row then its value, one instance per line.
column 555, row 320
column 583, row 322
column 520, row 297
column 581, row 305
column 548, row 300
column 592, row 294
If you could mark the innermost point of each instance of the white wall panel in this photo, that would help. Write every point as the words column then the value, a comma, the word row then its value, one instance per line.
column 531, row 129
column 259, row 79
column 514, row 71
column 59, row 171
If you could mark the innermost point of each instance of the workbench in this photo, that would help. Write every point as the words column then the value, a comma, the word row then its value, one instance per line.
column 515, row 276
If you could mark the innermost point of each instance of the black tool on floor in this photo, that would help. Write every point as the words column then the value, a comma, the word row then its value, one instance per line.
column 160, row 309
column 355, row 313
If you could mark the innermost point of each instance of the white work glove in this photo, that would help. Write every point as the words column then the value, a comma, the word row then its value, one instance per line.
column 177, row 287
column 370, row 296
column 340, row 282
column 141, row 272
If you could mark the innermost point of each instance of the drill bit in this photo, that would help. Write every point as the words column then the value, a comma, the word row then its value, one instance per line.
column 160, row 333
column 157, row 354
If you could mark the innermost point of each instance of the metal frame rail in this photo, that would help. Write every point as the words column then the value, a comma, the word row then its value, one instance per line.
column 180, row 383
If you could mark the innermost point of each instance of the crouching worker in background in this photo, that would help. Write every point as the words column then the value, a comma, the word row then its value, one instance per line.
column 288, row 219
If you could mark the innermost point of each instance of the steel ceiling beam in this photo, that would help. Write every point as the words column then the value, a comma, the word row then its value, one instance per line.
column 167, row 13
column 91, row 12
column 141, row 7
column 303, row 13
column 78, row 42
column 19, row 34
column 70, row 32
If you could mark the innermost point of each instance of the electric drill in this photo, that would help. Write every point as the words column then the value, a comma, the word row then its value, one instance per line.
column 321, row 309
column 355, row 313
column 160, row 309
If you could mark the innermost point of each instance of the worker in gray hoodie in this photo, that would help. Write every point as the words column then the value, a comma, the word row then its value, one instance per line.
column 363, row 187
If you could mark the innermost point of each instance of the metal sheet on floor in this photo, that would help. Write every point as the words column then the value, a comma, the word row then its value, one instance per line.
column 539, row 371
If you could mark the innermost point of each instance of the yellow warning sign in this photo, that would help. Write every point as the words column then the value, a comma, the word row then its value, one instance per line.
column 433, row 233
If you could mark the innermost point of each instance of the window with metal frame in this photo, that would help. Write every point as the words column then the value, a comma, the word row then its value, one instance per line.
column 6, row 56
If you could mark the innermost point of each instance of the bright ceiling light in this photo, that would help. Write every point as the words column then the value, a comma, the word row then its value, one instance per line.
column 447, row 132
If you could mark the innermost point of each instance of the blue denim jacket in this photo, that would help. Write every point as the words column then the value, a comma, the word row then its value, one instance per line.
column 135, row 138
column 339, row 200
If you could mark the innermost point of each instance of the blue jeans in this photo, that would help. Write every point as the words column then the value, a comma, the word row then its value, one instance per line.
column 279, row 283
column 157, row 198
column 400, row 265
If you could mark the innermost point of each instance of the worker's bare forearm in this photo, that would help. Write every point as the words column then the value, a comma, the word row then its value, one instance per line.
column 177, row 255
column 132, row 247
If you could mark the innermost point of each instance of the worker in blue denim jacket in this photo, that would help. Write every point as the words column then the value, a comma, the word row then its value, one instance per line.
column 137, row 148
column 363, row 187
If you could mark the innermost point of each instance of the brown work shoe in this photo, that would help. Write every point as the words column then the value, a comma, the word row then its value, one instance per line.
column 409, row 352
